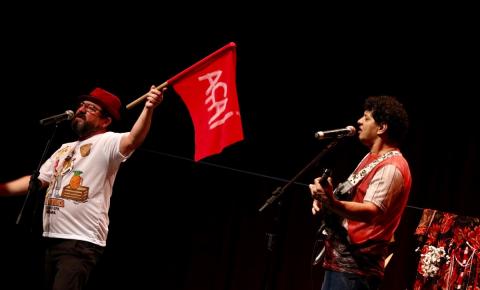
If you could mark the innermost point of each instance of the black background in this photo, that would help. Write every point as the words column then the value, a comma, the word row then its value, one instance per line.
column 177, row 224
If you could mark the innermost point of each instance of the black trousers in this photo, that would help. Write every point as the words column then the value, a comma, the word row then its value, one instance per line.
column 68, row 263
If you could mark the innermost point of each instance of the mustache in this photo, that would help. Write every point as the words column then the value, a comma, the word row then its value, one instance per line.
column 80, row 115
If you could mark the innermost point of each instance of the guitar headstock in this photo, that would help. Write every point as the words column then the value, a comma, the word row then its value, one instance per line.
column 327, row 172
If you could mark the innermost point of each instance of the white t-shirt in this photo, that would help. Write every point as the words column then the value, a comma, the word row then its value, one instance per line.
column 81, row 176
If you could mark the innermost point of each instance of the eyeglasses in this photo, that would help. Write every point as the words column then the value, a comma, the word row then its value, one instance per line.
column 89, row 107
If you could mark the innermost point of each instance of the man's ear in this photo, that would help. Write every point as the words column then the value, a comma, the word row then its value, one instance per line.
column 107, row 121
column 383, row 127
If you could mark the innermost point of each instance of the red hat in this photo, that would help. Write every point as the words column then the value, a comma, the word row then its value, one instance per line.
column 106, row 100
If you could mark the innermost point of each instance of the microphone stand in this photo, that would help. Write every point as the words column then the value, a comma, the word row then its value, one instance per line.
column 32, row 199
column 272, row 235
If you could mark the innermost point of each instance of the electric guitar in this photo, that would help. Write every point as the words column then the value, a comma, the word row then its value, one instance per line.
column 330, row 221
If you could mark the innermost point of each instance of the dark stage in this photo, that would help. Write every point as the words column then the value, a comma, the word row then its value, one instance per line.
column 176, row 224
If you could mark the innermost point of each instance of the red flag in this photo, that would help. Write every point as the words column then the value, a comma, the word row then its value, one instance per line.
column 209, row 91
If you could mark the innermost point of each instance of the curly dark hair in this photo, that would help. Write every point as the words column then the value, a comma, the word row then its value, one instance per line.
column 388, row 110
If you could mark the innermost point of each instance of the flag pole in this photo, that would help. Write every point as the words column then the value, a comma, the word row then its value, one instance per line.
column 186, row 71
column 134, row 103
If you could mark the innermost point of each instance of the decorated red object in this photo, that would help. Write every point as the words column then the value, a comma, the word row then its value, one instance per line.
column 108, row 101
column 209, row 91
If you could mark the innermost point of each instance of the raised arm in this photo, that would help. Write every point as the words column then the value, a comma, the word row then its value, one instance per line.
column 140, row 129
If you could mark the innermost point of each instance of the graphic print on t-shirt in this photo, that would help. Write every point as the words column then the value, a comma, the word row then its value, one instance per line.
column 73, row 190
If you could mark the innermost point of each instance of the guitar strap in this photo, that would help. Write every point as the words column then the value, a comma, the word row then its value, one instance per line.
column 356, row 177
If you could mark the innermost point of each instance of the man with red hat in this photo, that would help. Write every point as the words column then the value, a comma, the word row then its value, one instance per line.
column 78, row 179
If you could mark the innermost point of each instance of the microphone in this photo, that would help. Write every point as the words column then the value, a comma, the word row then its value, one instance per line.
column 68, row 115
column 336, row 133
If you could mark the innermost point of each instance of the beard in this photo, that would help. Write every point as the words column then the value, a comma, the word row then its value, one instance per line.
column 81, row 127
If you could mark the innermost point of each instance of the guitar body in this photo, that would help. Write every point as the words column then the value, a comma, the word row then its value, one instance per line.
column 331, row 223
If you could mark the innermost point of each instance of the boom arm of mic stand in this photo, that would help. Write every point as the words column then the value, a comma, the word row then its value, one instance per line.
column 278, row 192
